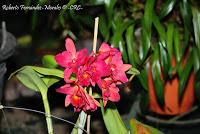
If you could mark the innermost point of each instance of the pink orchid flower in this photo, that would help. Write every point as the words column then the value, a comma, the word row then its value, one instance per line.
column 70, row 58
column 109, row 90
column 78, row 98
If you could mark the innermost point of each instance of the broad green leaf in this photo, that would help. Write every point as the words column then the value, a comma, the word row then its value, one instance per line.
column 184, row 76
column 132, row 53
column 49, row 81
column 49, row 61
column 170, row 37
column 156, row 73
column 177, row 45
column 112, row 119
column 48, row 71
column 166, row 8
column 31, row 79
column 196, row 25
column 140, row 128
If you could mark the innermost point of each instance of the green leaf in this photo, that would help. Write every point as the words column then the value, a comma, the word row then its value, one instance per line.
column 146, row 26
column 49, row 81
column 164, row 60
column 112, row 119
column 49, row 61
column 184, row 76
column 196, row 56
column 177, row 45
column 109, row 6
column 196, row 24
column 138, row 127
column 31, row 80
column 48, row 71
column 132, row 53
column 103, row 27
column 156, row 73
column 122, row 48
column 133, row 71
column 186, row 14
column 148, row 15
column 146, row 42
column 143, row 78
column 160, row 28
column 170, row 37
column 166, row 8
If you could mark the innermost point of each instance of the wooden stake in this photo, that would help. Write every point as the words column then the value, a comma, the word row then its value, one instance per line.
column 94, row 48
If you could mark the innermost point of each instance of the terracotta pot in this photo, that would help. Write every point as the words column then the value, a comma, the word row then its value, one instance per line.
column 171, row 100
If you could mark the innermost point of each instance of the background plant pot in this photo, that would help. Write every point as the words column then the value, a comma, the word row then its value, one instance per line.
column 5, row 52
column 172, row 106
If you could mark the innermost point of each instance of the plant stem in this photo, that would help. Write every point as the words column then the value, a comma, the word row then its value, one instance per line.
column 48, row 116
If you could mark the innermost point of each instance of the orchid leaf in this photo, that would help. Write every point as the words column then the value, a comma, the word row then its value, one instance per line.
column 166, row 8
column 138, row 127
column 112, row 119
column 49, row 71
column 31, row 80
column 49, row 81
column 49, row 61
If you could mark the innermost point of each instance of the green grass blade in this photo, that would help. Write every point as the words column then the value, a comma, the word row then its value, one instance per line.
column 166, row 8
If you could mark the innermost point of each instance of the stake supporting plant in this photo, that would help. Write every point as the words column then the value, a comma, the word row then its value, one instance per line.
column 94, row 48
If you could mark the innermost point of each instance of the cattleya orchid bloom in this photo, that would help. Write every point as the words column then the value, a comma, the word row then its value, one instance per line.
column 105, row 69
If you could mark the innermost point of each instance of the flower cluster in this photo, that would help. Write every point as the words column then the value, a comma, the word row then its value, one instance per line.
column 104, row 68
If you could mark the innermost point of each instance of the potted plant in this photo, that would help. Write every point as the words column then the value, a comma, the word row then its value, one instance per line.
column 7, row 47
column 162, row 40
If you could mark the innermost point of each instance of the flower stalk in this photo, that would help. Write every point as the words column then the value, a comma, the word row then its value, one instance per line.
column 48, row 115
